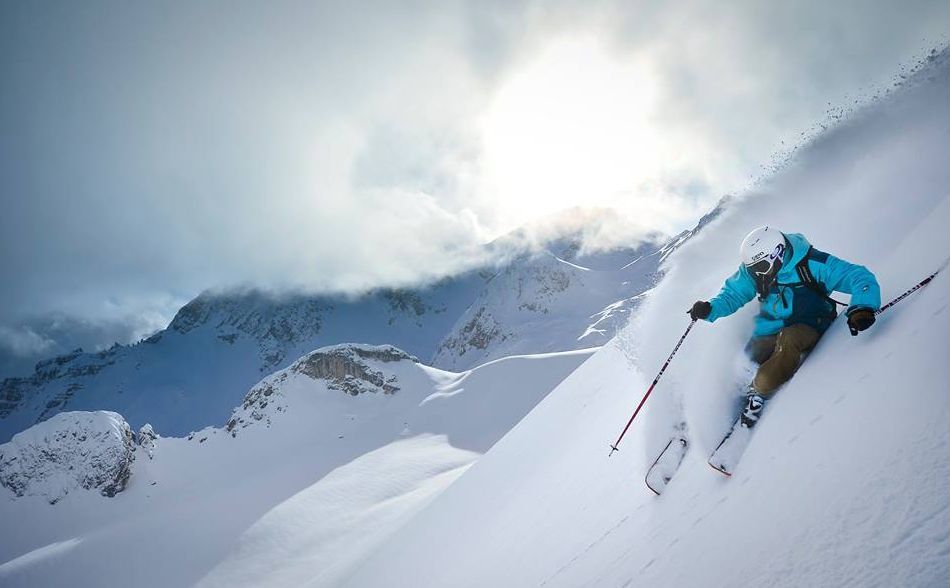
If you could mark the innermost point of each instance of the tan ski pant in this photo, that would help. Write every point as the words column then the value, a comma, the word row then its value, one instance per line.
column 780, row 355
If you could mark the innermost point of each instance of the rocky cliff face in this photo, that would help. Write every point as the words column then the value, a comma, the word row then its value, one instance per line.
column 275, row 324
column 69, row 452
column 347, row 367
column 73, row 367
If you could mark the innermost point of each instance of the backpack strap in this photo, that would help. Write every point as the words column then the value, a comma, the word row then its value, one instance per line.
column 808, row 278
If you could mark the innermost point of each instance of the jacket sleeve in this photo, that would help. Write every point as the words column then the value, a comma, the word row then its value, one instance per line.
column 738, row 290
column 842, row 276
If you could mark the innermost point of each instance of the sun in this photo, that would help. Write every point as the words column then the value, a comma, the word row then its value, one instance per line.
column 572, row 127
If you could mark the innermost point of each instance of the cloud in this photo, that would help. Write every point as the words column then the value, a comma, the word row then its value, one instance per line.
column 24, row 342
column 155, row 150
column 91, row 328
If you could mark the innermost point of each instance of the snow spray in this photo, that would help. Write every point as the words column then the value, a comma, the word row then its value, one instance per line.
column 650, row 389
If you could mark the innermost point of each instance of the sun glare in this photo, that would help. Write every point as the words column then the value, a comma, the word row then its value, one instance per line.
column 570, row 128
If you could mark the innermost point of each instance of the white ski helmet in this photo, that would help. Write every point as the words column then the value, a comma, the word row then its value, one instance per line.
column 762, row 253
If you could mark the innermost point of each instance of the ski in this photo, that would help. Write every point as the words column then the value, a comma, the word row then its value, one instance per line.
column 666, row 464
column 729, row 451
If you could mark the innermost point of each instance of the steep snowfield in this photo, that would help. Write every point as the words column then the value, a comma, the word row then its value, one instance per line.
column 845, row 481
column 324, row 460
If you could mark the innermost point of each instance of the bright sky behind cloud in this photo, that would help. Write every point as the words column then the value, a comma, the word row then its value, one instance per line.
column 152, row 150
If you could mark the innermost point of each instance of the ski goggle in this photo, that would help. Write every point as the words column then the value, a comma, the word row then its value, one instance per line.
column 765, row 270
column 765, row 267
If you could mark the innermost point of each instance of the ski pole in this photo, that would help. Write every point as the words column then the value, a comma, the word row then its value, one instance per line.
column 919, row 285
column 650, row 389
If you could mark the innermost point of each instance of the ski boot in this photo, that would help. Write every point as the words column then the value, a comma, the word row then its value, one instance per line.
column 754, row 403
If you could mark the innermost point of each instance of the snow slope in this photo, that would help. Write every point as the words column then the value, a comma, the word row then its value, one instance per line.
column 845, row 482
column 323, row 461
column 317, row 535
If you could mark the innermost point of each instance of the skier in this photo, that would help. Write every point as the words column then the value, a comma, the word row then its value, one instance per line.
column 792, row 280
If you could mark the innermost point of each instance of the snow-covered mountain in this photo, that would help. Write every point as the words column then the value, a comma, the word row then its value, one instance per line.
column 344, row 445
column 218, row 345
column 71, row 451
column 543, row 302
column 359, row 465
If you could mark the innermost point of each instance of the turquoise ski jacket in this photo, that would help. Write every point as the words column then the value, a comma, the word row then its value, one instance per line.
column 790, row 301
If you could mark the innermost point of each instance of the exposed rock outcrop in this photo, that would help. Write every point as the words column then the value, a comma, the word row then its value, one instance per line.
column 73, row 368
column 146, row 439
column 69, row 452
column 345, row 367
column 275, row 324
column 351, row 368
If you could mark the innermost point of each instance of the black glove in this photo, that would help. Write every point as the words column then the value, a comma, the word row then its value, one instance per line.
column 701, row 310
column 860, row 319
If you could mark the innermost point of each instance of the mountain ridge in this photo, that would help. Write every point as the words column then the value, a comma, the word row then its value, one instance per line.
column 188, row 375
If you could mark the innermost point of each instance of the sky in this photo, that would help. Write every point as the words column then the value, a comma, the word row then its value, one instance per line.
column 149, row 151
